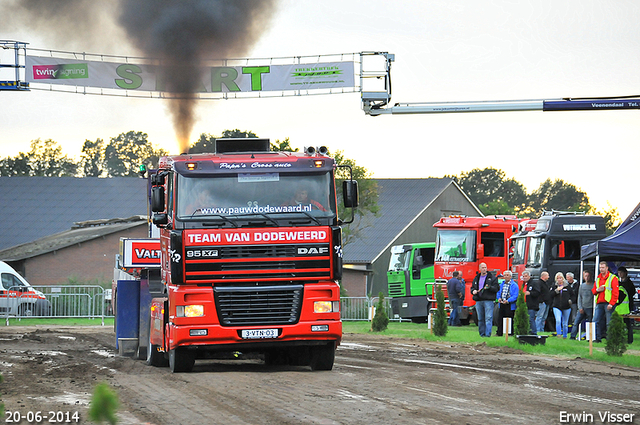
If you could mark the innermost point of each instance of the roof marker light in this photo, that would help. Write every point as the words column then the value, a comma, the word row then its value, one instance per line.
column 192, row 166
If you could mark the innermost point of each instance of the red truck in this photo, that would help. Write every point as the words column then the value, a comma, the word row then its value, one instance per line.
column 250, row 256
column 462, row 243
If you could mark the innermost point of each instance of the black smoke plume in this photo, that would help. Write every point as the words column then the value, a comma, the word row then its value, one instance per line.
column 179, row 33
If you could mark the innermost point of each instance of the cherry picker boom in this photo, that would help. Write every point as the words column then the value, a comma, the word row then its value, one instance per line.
column 377, row 102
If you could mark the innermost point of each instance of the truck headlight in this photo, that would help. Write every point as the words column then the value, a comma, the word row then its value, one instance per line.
column 194, row 310
column 326, row 306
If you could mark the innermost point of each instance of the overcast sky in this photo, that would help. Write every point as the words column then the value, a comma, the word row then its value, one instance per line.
column 445, row 51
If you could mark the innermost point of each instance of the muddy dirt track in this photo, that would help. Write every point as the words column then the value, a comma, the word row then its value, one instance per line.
column 375, row 380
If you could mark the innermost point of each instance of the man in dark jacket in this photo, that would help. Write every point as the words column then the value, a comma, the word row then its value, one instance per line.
column 545, row 301
column 531, row 289
column 484, row 289
column 630, row 290
column 455, row 291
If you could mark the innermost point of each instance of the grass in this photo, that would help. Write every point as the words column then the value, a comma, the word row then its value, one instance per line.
column 567, row 348
column 108, row 321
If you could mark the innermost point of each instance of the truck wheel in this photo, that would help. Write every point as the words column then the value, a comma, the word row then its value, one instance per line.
column 322, row 357
column 155, row 357
column 181, row 360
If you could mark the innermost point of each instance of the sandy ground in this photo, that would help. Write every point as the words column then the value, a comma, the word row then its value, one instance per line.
column 375, row 380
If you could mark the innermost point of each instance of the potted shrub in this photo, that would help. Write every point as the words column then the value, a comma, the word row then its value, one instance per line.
column 521, row 325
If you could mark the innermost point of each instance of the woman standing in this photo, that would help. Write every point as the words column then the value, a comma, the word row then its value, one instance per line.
column 561, row 293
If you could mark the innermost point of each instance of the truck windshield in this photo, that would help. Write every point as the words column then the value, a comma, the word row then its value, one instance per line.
column 255, row 194
column 399, row 259
column 519, row 246
column 455, row 245
column 536, row 251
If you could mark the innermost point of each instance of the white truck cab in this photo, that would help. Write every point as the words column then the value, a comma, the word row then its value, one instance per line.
column 17, row 296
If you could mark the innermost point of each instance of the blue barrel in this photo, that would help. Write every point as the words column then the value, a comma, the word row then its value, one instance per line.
column 127, row 309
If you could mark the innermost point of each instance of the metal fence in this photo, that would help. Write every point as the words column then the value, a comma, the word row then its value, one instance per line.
column 77, row 301
column 92, row 301
column 360, row 308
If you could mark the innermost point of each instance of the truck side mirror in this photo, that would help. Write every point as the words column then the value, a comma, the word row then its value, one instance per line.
column 350, row 193
column 160, row 219
column 157, row 199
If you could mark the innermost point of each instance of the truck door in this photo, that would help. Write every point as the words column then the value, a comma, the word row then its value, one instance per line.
column 564, row 256
column 495, row 250
column 423, row 259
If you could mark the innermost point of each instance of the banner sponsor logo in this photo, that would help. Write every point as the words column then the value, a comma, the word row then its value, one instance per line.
column 60, row 71
column 217, row 79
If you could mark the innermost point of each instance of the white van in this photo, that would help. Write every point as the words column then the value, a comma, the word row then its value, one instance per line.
column 17, row 296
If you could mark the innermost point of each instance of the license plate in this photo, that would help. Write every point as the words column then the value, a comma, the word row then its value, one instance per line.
column 259, row 333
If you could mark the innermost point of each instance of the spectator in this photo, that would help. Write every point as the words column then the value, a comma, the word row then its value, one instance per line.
column 561, row 301
column 585, row 303
column 606, row 292
column 531, row 289
column 575, row 286
column 626, row 306
column 506, row 297
column 455, row 289
column 545, row 302
column 483, row 289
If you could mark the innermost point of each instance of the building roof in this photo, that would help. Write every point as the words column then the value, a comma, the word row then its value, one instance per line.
column 81, row 232
column 400, row 202
column 34, row 207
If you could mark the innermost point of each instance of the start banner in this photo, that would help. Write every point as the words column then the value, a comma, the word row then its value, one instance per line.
column 217, row 79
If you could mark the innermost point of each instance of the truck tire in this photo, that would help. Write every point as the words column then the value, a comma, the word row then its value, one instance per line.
column 181, row 360
column 322, row 357
column 155, row 357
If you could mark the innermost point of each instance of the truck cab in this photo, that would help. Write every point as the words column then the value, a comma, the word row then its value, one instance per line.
column 409, row 280
column 250, row 255
column 554, row 244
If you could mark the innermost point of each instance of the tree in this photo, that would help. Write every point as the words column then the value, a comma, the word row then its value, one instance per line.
column 44, row 159
column 47, row 160
column 558, row 195
column 521, row 324
column 616, row 336
column 238, row 134
column 17, row 166
column 440, row 327
column 104, row 404
column 368, row 196
column 207, row 142
column 283, row 146
column 380, row 319
column 126, row 152
column 491, row 191
column 92, row 158
column 611, row 217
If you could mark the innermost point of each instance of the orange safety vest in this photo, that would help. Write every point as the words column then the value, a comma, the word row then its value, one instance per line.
column 608, row 291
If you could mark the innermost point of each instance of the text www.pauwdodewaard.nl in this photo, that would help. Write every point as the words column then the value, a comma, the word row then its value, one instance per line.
column 255, row 210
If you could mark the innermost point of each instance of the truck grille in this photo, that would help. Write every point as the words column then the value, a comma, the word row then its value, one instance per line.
column 259, row 305
column 396, row 289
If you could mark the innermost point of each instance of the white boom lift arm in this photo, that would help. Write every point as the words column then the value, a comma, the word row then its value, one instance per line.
column 376, row 102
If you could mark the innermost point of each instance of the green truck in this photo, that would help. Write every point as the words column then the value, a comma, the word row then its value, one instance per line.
column 410, row 278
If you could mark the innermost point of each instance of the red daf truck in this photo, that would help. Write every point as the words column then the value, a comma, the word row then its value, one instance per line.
column 250, row 256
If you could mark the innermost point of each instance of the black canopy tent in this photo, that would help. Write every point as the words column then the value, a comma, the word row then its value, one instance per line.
column 623, row 244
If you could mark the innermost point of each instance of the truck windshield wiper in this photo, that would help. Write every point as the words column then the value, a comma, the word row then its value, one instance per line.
column 222, row 217
column 310, row 217
column 275, row 223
